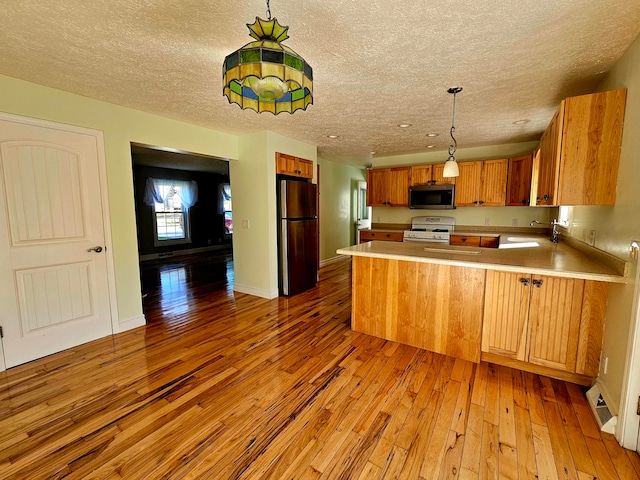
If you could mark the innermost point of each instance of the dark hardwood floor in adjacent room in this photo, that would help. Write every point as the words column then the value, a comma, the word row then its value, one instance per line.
column 224, row 386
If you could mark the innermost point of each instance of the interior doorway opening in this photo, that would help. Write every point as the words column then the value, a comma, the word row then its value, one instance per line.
column 183, row 207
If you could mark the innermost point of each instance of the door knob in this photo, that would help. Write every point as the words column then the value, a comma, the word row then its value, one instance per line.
column 97, row 249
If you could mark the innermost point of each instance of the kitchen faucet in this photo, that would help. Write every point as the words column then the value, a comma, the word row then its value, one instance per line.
column 554, row 231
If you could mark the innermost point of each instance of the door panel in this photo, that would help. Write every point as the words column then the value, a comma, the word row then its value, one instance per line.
column 554, row 321
column 506, row 309
column 53, row 287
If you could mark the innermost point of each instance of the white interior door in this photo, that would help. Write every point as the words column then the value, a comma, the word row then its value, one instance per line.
column 53, row 273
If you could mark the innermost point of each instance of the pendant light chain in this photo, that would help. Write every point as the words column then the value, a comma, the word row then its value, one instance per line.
column 268, row 11
column 454, row 147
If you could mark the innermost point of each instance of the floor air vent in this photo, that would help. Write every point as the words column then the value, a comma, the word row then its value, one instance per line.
column 604, row 417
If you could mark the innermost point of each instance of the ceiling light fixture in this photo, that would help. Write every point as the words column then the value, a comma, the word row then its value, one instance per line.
column 432, row 134
column 430, row 146
column 451, row 166
column 405, row 125
column 521, row 122
column 265, row 75
column 333, row 136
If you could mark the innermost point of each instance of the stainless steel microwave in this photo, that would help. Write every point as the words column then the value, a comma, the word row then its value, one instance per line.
column 433, row 197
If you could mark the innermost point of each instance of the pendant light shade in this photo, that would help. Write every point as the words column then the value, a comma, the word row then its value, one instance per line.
column 265, row 75
column 451, row 166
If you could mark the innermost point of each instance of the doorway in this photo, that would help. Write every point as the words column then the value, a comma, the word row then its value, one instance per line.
column 183, row 204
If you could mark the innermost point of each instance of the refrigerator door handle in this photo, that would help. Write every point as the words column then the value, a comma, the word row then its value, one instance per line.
column 285, row 262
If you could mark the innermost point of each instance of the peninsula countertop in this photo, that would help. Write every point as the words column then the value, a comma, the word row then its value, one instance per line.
column 517, row 253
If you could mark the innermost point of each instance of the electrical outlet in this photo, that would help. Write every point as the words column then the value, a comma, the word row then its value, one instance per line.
column 605, row 365
column 487, row 221
column 378, row 219
column 245, row 224
column 592, row 237
column 514, row 222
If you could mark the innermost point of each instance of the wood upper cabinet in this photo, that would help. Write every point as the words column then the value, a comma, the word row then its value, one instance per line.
column 482, row 183
column 580, row 151
column 549, row 321
column 421, row 174
column 388, row 187
column 293, row 166
column 437, row 177
column 519, row 181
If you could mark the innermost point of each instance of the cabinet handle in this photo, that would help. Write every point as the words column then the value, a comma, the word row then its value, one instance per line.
column 463, row 239
column 388, row 235
column 525, row 281
column 475, row 202
column 545, row 197
column 524, row 201
column 480, row 202
column 537, row 283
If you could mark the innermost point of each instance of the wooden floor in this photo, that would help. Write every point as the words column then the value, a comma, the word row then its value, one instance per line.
column 224, row 386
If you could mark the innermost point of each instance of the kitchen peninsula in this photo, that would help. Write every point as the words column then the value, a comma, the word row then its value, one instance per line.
column 530, row 304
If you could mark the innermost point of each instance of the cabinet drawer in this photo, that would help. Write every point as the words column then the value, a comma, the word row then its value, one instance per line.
column 489, row 242
column 464, row 240
column 387, row 236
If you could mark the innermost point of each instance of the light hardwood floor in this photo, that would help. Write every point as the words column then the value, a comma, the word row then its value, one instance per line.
column 223, row 386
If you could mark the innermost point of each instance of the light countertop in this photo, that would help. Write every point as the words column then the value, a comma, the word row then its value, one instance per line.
column 517, row 253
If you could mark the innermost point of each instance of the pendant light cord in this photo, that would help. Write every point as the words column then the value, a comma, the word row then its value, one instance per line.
column 269, row 12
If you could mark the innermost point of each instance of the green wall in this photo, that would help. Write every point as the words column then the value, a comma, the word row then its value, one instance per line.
column 338, row 207
column 252, row 172
column 618, row 225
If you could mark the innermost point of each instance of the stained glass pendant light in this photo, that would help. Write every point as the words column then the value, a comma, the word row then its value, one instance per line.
column 451, row 166
column 265, row 75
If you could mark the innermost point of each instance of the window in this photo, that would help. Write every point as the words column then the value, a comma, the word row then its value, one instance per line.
column 564, row 216
column 228, row 215
column 171, row 218
column 170, row 201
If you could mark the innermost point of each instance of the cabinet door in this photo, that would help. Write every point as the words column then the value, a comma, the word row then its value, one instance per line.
column 421, row 174
column 468, row 184
column 377, row 187
column 519, row 181
column 548, row 168
column 398, row 187
column 592, row 135
column 554, row 321
column 493, row 183
column 439, row 179
column 305, row 168
column 506, row 309
column 286, row 164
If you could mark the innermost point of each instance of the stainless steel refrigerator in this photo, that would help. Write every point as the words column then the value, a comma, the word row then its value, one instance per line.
column 297, row 236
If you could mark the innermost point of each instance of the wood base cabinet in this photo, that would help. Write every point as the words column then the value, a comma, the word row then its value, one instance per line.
column 548, row 321
column 432, row 306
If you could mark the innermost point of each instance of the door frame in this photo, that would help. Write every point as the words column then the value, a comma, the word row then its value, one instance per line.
column 628, row 433
column 104, row 201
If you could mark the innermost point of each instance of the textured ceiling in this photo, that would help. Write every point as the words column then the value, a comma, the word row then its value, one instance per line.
column 376, row 64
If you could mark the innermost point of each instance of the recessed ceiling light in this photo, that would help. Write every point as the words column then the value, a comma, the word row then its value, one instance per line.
column 333, row 136
column 521, row 122
column 432, row 134
column 404, row 125
column 430, row 146
column 372, row 153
